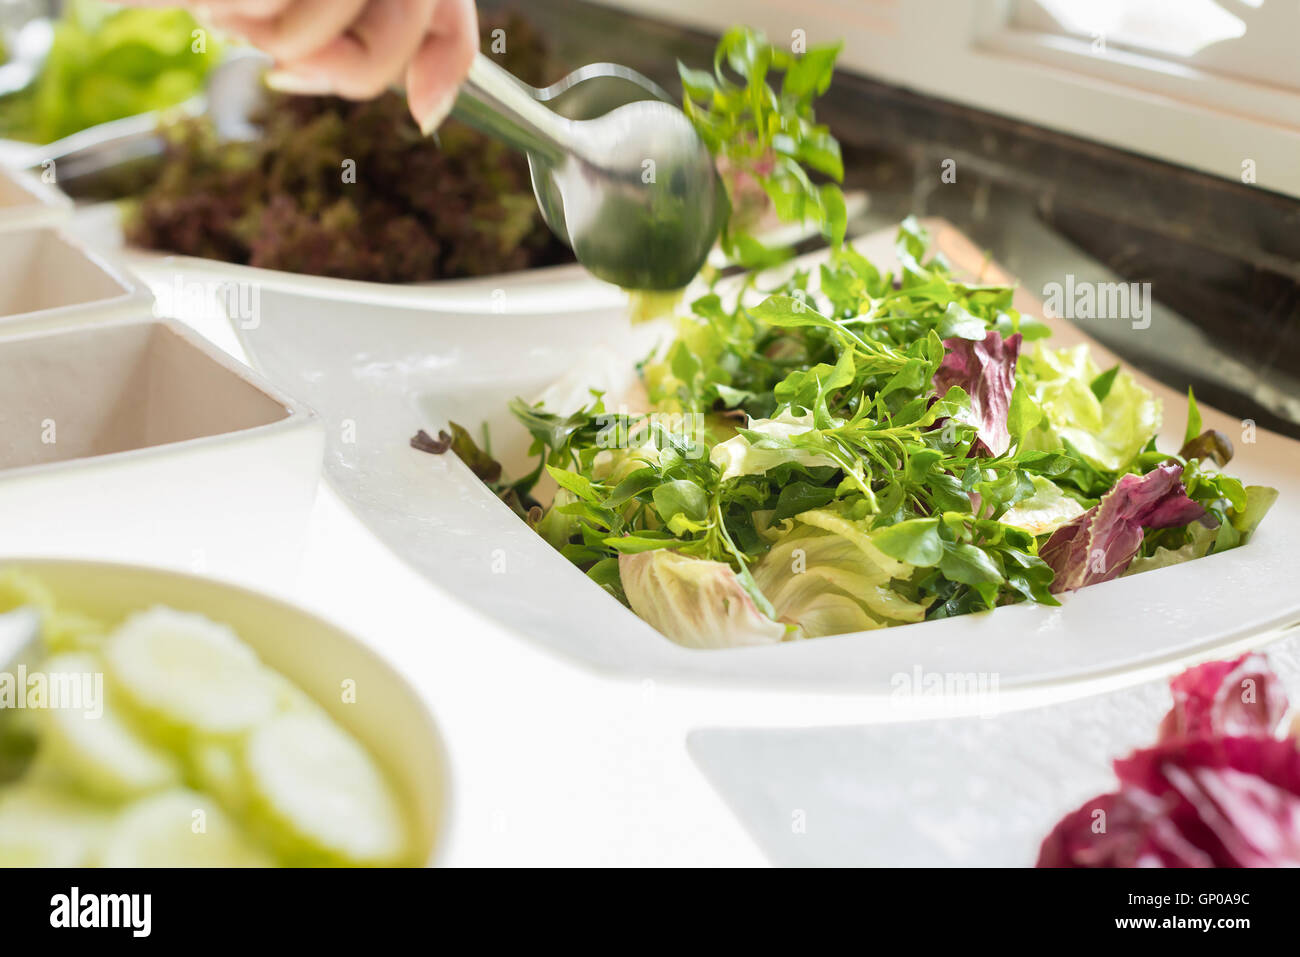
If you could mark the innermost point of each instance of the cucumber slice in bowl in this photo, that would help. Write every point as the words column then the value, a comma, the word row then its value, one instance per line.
column 320, row 797
column 178, row 828
column 43, row 826
column 89, row 744
column 188, row 675
column 218, row 770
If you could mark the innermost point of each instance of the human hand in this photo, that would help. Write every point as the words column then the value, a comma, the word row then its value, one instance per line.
column 358, row 48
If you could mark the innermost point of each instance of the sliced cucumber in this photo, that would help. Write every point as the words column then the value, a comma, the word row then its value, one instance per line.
column 178, row 828
column 91, row 745
column 290, row 699
column 189, row 675
column 218, row 770
column 42, row 826
column 73, row 631
column 320, row 797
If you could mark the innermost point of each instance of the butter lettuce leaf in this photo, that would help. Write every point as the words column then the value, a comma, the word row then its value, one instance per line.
column 1107, row 431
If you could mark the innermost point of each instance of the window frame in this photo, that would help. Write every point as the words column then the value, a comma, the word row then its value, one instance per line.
column 972, row 52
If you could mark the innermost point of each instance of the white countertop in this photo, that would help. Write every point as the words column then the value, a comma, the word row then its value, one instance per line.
column 552, row 763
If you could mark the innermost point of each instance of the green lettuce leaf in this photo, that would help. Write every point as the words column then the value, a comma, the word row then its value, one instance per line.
column 695, row 602
column 1107, row 431
column 1043, row 512
column 824, row 576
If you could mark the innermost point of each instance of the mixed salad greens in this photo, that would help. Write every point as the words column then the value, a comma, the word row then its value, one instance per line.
column 106, row 63
column 165, row 720
column 855, row 449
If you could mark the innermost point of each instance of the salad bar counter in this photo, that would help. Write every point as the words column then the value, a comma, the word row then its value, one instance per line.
column 930, row 495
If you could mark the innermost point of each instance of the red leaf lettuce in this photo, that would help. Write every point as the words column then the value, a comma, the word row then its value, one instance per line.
column 1099, row 544
column 986, row 370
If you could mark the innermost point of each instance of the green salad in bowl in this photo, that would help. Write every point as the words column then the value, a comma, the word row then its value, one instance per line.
column 159, row 737
column 855, row 448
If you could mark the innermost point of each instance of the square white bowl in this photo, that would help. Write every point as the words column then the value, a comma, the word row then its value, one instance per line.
column 136, row 440
column 979, row 790
column 375, row 377
column 49, row 280
column 27, row 202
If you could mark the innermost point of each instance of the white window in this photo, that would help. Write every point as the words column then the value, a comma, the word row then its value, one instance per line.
column 1246, row 39
column 1209, row 84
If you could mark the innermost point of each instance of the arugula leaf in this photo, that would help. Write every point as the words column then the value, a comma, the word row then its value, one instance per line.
column 767, row 139
column 1193, row 418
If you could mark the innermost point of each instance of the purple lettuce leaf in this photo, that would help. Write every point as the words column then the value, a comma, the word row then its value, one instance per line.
column 1099, row 544
column 1190, row 802
column 1226, row 698
column 986, row 371
column 1121, row 829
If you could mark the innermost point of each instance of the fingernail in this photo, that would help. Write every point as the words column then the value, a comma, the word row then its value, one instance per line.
column 433, row 119
column 286, row 81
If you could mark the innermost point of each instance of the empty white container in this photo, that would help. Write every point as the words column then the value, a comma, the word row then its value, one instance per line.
column 26, row 201
column 136, row 440
column 49, row 280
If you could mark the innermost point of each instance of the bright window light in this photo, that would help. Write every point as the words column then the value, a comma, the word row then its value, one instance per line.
column 1178, row 28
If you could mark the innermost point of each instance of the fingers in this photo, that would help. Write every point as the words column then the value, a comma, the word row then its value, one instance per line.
column 301, row 29
column 255, row 9
column 374, row 51
column 440, row 64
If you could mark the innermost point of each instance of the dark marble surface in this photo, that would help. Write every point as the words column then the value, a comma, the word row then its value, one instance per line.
column 1222, row 257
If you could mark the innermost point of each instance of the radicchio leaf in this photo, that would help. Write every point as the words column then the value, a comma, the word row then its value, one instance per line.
column 1225, row 698
column 1203, row 802
column 986, row 371
column 1099, row 544
column 1219, row 789
column 1121, row 829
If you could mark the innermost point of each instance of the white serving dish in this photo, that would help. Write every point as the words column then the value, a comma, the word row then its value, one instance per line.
column 543, row 291
column 311, row 652
column 136, row 440
column 49, row 280
column 27, row 202
column 375, row 378
column 974, row 791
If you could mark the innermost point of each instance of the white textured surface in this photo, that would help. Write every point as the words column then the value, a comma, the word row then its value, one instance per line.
column 551, row 764
column 968, row 791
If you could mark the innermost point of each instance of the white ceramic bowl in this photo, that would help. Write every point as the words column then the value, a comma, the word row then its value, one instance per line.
column 389, row 374
column 49, row 280
column 531, row 292
column 26, row 201
column 387, row 717
column 136, row 440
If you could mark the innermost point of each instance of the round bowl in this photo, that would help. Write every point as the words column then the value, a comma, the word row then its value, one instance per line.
column 309, row 651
